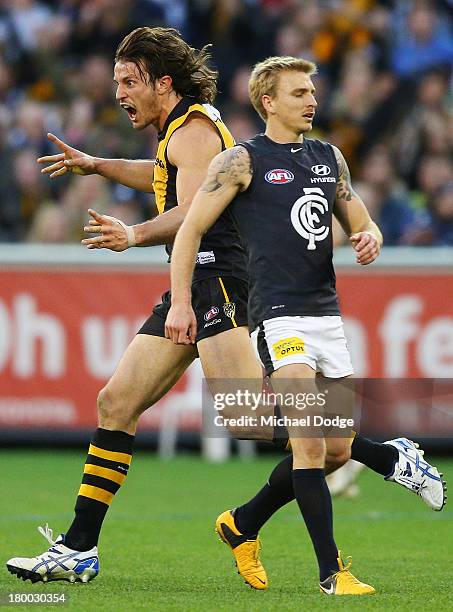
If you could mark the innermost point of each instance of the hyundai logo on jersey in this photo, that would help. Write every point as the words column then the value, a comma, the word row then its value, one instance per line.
column 279, row 176
column 321, row 170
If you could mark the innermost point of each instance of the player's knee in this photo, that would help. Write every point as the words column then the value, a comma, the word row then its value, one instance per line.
column 103, row 401
column 111, row 414
column 336, row 459
column 308, row 451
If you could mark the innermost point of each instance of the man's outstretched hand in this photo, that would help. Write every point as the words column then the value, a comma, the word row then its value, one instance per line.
column 69, row 160
column 111, row 233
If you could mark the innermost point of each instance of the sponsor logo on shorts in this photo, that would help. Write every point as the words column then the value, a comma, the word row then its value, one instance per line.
column 205, row 257
column 288, row 346
column 279, row 176
column 212, row 323
column 212, row 312
column 229, row 308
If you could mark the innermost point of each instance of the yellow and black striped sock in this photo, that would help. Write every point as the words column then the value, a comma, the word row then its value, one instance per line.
column 106, row 467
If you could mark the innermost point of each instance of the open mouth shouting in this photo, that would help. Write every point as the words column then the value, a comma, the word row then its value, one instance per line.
column 131, row 110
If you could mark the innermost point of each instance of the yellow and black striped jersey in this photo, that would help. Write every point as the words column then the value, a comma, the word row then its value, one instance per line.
column 221, row 251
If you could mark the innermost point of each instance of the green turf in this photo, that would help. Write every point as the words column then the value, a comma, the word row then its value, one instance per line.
column 159, row 552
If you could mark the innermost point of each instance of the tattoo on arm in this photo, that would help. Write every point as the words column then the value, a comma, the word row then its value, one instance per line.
column 232, row 166
column 344, row 187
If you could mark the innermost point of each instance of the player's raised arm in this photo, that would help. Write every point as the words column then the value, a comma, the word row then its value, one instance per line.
column 192, row 168
column 351, row 212
column 115, row 235
column 136, row 174
column 229, row 173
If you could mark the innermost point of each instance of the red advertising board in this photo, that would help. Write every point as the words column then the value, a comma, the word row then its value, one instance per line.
column 399, row 325
column 62, row 333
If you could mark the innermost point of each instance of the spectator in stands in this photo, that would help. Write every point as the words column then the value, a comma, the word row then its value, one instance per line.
column 425, row 126
column 10, row 217
column 389, row 200
column 32, row 189
column 435, row 170
column 425, row 42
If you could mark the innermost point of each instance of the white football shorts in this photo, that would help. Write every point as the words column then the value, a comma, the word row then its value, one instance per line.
column 316, row 341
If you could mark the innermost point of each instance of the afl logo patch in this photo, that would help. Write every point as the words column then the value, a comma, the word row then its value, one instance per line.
column 279, row 176
column 212, row 312
column 321, row 170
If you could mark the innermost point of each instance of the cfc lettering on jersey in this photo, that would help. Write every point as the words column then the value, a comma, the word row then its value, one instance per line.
column 288, row 346
column 204, row 257
column 306, row 216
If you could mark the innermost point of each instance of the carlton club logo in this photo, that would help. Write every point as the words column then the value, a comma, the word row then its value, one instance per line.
column 279, row 176
column 305, row 216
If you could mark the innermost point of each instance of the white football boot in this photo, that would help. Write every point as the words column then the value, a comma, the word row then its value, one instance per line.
column 417, row 475
column 57, row 563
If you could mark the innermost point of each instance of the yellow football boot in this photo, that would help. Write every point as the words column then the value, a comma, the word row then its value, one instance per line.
column 344, row 583
column 246, row 552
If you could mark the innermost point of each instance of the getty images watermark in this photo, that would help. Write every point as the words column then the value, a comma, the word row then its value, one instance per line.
column 377, row 407
column 244, row 398
column 255, row 410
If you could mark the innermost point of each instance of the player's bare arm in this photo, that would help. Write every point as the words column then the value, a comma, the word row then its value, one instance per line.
column 229, row 173
column 134, row 173
column 192, row 166
column 351, row 212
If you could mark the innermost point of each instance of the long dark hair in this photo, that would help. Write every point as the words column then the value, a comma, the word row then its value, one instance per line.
column 161, row 51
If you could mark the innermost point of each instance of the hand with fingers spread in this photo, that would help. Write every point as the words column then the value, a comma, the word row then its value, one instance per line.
column 69, row 160
column 111, row 233
column 181, row 324
column 366, row 246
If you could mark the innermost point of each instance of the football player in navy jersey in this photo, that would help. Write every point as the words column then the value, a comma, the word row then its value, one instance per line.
column 282, row 189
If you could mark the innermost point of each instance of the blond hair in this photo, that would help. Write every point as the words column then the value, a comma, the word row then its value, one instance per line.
column 264, row 77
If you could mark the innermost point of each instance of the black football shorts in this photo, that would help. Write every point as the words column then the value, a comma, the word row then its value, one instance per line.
column 219, row 303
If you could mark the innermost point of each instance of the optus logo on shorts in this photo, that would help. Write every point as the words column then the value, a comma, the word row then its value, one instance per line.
column 288, row 346
column 279, row 176
column 212, row 312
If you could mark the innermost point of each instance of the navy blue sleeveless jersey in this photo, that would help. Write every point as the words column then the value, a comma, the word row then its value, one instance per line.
column 285, row 220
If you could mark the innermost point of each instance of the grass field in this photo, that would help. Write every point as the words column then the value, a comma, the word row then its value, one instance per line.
column 159, row 552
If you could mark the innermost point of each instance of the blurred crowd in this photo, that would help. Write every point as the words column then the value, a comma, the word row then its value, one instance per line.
column 384, row 92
